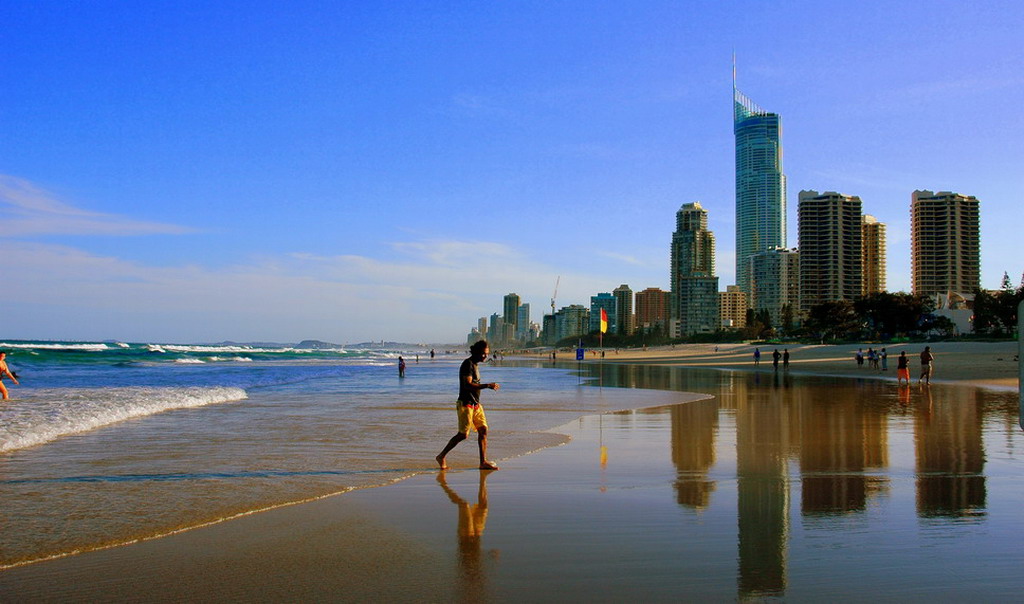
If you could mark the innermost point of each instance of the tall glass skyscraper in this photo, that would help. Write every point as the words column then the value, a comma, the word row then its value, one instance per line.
column 760, row 183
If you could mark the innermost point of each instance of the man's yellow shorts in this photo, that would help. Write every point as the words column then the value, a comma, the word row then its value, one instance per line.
column 470, row 416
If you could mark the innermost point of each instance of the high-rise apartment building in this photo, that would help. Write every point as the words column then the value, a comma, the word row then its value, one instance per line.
column 496, row 330
column 760, row 183
column 523, row 322
column 481, row 326
column 652, row 309
column 831, row 252
column 550, row 330
column 694, row 303
column 511, row 311
column 873, row 246
column 608, row 303
column 624, row 309
column 775, row 282
column 571, row 321
column 945, row 243
column 732, row 307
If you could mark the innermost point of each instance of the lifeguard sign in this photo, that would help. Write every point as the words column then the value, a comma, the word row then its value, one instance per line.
column 579, row 354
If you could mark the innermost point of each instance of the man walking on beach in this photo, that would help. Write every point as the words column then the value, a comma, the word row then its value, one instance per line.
column 926, row 365
column 470, row 411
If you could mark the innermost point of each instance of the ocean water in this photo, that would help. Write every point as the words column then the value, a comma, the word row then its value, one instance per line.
column 107, row 443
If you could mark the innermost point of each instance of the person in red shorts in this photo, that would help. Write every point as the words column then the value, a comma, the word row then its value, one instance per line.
column 902, row 368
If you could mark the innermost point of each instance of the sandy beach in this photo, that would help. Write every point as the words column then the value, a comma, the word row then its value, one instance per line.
column 424, row 538
column 985, row 364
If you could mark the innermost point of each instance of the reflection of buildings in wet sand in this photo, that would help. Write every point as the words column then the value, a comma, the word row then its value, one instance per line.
column 762, row 444
column 693, row 450
column 950, row 453
column 472, row 521
column 841, row 438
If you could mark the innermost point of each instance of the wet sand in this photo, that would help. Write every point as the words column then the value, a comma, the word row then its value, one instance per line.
column 643, row 504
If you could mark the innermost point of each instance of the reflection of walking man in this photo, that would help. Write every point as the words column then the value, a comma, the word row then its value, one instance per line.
column 471, row 412
column 472, row 521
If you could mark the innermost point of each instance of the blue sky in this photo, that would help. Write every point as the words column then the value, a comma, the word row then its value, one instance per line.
column 351, row 171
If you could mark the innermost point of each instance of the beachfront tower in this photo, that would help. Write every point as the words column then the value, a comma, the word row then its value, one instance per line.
column 523, row 323
column 511, row 310
column 760, row 183
column 945, row 243
column 652, row 312
column 624, row 309
column 694, row 303
column 873, row 236
column 831, row 250
column 732, row 307
column 775, row 282
column 608, row 303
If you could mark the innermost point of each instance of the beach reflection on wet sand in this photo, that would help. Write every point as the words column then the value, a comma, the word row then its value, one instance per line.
column 780, row 486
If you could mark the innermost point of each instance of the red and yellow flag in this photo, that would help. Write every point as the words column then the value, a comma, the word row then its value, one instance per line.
column 604, row 321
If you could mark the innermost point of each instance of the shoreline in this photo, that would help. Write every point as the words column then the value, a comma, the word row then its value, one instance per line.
column 990, row 365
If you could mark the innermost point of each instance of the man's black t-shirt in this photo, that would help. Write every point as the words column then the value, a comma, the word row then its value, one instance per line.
column 467, row 395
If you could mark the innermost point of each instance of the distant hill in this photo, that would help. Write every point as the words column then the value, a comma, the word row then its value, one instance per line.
column 316, row 345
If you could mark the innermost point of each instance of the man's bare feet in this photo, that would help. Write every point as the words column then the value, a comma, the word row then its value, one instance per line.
column 440, row 462
column 486, row 465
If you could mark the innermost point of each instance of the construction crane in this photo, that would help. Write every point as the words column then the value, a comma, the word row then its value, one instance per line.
column 555, row 295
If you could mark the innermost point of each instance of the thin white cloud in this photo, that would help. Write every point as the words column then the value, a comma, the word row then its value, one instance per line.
column 27, row 210
column 434, row 292
column 625, row 258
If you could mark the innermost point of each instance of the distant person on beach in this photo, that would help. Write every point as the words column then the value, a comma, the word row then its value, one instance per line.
column 757, row 357
column 902, row 368
column 401, row 367
column 860, row 357
column 468, row 407
column 431, row 353
column 927, row 360
column 775, row 359
column 785, row 359
column 6, row 371
column 885, row 360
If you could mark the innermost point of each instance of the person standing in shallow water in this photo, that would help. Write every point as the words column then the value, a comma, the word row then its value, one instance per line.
column 927, row 360
column 468, row 407
column 5, row 371
column 902, row 368
column 401, row 367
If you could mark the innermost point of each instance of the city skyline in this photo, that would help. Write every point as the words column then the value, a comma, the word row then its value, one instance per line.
column 358, row 173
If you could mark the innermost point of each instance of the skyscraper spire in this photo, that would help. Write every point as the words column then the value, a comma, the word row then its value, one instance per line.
column 760, row 183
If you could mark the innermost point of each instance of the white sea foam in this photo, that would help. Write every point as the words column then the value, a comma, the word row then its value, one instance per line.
column 221, row 349
column 190, row 361
column 40, row 416
column 84, row 346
